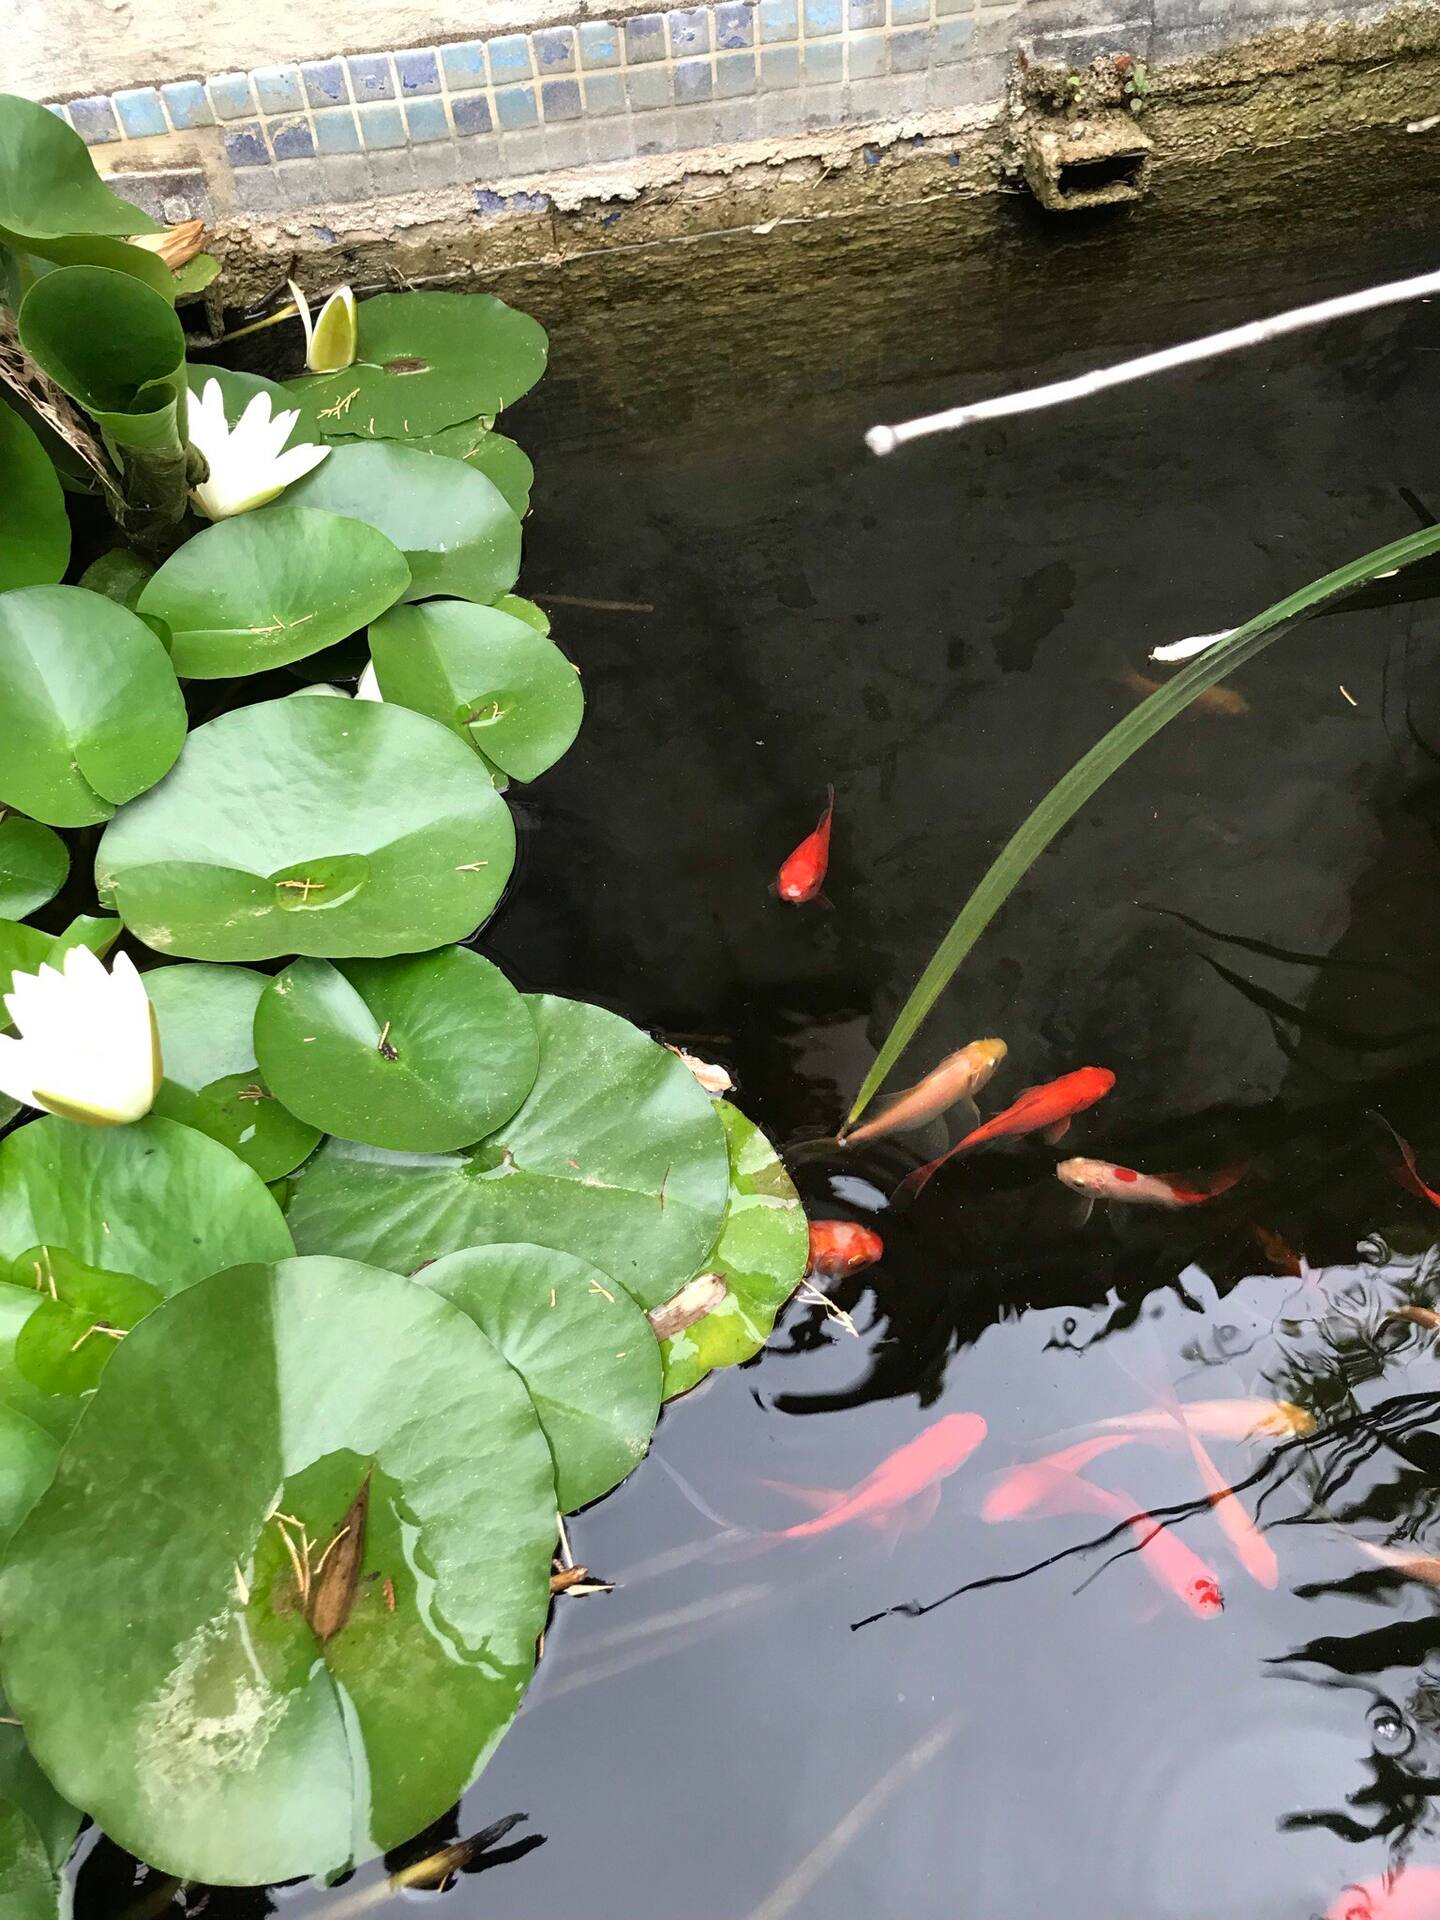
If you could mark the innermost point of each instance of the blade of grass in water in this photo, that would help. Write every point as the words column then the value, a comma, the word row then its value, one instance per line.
column 1088, row 775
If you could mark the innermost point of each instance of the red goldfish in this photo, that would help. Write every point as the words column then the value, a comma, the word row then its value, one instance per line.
column 912, row 1473
column 1220, row 1419
column 1407, row 1174
column 1102, row 1180
column 958, row 1077
column 1037, row 1109
column 1409, row 1893
column 838, row 1247
column 803, row 873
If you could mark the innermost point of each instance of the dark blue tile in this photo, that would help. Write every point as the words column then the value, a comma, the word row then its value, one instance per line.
column 562, row 99
column 645, row 38
column 734, row 26
column 244, row 146
column 94, row 120
column 470, row 112
column 324, row 83
column 555, row 49
column 419, row 71
column 370, row 76
column 693, row 81
column 293, row 140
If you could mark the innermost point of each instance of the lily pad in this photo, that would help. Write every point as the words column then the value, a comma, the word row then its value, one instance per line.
column 220, row 1709
column 617, row 1155
column 488, row 452
column 119, row 574
column 107, row 250
column 29, row 1884
column 762, row 1252
column 23, row 1785
column 27, row 1466
column 33, row 864
column 525, row 610
column 34, row 526
column 93, row 711
column 487, row 675
column 423, row 1053
column 585, row 1351
column 327, row 827
column 262, row 589
column 206, row 1017
column 48, row 183
column 455, row 529
column 426, row 361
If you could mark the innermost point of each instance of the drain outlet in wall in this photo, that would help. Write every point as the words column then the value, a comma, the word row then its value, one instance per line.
column 1101, row 160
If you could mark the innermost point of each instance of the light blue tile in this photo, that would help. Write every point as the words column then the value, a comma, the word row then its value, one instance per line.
column 689, row 31
column 515, row 106
column 278, row 89
column 649, row 88
column 464, row 64
column 645, row 38
column 57, row 107
column 910, row 50
column 822, row 17
column 470, row 112
column 909, row 13
column 510, row 58
column 604, row 93
column 426, row 120
column 694, row 81
column 824, row 62
column 734, row 74
column 293, row 140
column 370, row 77
column 599, row 44
column 245, row 147
column 869, row 55
column 864, row 13
column 562, row 99
column 187, row 104
column 381, row 126
column 324, row 83
column 554, row 49
column 419, row 71
column 230, row 96
column 336, row 131
column 734, row 25
column 954, row 41
column 779, row 20
column 94, row 120
column 779, row 67
column 141, row 114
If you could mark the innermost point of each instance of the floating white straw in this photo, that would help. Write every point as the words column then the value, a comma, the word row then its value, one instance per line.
column 1253, row 334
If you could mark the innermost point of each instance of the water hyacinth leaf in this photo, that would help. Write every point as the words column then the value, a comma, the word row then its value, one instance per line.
column 422, row 1053
column 34, row 861
column 500, row 685
column 508, row 466
column 334, row 828
column 206, row 1017
column 586, row 1353
column 34, row 526
column 617, row 1155
column 23, row 949
column 120, row 575
column 454, row 528
column 48, row 183
column 264, row 588
column 762, row 1254
column 130, row 372
column 251, row 1410
column 29, row 1884
column 94, row 713
column 23, row 1785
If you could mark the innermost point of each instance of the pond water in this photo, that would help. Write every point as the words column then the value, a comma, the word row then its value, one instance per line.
column 775, row 1728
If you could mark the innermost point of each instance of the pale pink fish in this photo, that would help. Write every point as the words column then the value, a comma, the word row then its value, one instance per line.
column 1248, row 1543
column 959, row 1076
column 1409, row 1893
column 1104, row 1180
column 1030, row 1487
column 912, row 1473
column 1219, row 1420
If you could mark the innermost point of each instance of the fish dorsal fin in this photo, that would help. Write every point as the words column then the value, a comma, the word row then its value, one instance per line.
column 815, row 1499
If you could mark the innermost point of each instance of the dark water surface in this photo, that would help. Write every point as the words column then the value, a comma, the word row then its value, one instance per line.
column 940, row 635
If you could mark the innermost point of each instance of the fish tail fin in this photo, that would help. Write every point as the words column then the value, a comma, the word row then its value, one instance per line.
column 695, row 1498
column 816, row 1500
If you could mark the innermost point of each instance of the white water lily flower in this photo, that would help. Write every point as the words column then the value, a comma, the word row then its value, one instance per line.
column 332, row 339
column 247, row 465
column 88, row 1045
column 368, row 686
column 1187, row 649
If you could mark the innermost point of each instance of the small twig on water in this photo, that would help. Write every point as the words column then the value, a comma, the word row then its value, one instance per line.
column 567, row 1558
column 595, row 606
column 809, row 1295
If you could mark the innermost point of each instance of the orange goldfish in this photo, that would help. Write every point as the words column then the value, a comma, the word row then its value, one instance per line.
column 1407, row 1174
column 1417, row 1316
column 839, row 1247
column 1409, row 1893
column 803, row 873
column 912, row 1473
column 1037, row 1109
column 1103, row 1180
column 1220, row 1419
column 1217, row 700
column 958, row 1077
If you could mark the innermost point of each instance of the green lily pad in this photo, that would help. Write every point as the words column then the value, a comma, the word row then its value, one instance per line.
column 48, row 183
column 27, row 1466
column 196, row 274
column 525, row 610
column 119, row 574
column 34, row 861
column 34, row 526
column 212, row 1716
column 264, row 588
column 426, row 361
column 64, row 1344
column 422, row 1053
column 130, row 372
column 93, row 711
column 206, row 1017
column 23, row 1785
column 490, row 677
column 455, row 529
column 326, row 827
column 617, row 1155
column 23, row 949
column 587, row 1355
column 488, row 452
column 29, row 1884
column 762, row 1252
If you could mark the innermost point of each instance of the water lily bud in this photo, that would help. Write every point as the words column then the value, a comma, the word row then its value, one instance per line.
column 331, row 341
column 88, row 1047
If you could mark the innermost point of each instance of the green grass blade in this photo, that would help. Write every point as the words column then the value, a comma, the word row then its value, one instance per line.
column 1065, row 799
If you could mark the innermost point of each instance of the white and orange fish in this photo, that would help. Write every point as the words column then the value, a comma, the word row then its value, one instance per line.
column 1219, row 1420
column 906, row 1483
column 959, row 1076
column 1103, row 1180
